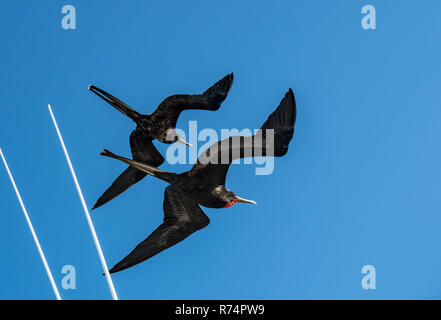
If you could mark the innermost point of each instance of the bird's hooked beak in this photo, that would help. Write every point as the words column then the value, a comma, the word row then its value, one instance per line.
column 184, row 142
column 239, row 199
column 172, row 136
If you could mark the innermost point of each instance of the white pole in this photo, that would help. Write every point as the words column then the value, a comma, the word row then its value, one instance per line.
column 34, row 235
column 86, row 211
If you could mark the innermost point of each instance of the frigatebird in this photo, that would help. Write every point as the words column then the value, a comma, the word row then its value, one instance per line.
column 204, row 184
column 160, row 125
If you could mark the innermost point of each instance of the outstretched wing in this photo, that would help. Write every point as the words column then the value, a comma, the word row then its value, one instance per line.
column 182, row 217
column 170, row 109
column 142, row 150
column 272, row 139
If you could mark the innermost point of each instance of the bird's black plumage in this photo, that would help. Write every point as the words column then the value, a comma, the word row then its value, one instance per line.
column 204, row 184
column 182, row 217
column 159, row 125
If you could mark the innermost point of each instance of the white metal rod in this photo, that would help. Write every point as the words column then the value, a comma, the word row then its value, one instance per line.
column 86, row 211
column 34, row 235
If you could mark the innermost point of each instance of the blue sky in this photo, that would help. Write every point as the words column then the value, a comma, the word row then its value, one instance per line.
column 360, row 184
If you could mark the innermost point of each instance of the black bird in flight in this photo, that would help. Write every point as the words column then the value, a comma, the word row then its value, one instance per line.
column 204, row 184
column 160, row 125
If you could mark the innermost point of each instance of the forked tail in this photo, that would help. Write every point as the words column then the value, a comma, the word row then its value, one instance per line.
column 116, row 103
column 155, row 172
